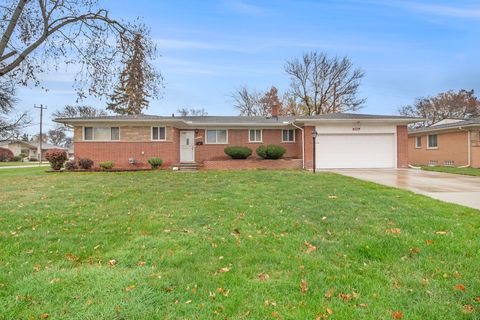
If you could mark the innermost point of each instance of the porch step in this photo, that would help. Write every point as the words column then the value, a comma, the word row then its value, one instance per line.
column 190, row 166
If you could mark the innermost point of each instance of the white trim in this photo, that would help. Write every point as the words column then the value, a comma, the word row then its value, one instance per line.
column 255, row 141
column 428, row 142
column 151, row 133
column 93, row 134
column 418, row 146
column 289, row 141
column 216, row 136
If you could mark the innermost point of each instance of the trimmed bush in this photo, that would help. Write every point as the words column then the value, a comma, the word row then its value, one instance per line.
column 5, row 155
column 71, row 165
column 33, row 159
column 56, row 157
column 85, row 163
column 155, row 162
column 271, row 152
column 238, row 152
column 107, row 165
column 17, row 159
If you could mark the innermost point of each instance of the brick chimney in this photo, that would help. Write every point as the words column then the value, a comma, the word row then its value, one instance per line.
column 275, row 108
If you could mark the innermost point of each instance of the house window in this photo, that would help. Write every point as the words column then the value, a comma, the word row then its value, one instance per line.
column 433, row 163
column 159, row 134
column 449, row 163
column 255, row 135
column 101, row 134
column 216, row 136
column 418, row 142
column 432, row 141
column 288, row 135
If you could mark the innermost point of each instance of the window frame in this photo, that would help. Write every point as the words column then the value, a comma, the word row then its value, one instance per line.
column 417, row 144
column 158, row 127
column 93, row 134
column 289, row 141
column 428, row 142
column 250, row 136
column 216, row 136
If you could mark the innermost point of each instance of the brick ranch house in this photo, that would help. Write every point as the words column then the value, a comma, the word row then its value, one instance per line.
column 344, row 140
column 450, row 142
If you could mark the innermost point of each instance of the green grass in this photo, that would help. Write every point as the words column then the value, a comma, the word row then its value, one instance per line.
column 463, row 171
column 20, row 163
column 171, row 234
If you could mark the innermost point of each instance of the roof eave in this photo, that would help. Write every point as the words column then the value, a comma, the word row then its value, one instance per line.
column 430, row 129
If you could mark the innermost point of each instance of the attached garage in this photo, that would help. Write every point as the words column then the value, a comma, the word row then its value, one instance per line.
column 356, row 146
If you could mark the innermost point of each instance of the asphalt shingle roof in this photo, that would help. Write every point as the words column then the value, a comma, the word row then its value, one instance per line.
column 242, row 119
column 469, row 122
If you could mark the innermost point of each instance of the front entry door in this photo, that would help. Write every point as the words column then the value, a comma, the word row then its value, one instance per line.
column 187, row 146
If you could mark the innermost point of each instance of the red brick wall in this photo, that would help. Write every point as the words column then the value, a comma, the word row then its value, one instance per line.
column 252, row 164
column 120, row 152
column 402, row 147
column 308, row 147
column 452, row 146
column 239, row 137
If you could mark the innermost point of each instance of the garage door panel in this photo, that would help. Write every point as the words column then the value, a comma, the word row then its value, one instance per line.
column 356, row 151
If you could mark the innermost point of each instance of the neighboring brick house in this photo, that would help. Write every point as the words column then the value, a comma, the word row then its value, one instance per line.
column 28, row 148
column 344, row 140
column 449, row 142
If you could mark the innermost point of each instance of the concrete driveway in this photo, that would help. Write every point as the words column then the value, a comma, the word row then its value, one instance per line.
column 459, row 189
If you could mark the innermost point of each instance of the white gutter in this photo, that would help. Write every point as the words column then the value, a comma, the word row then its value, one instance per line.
column 303, row 141
column 469, row 148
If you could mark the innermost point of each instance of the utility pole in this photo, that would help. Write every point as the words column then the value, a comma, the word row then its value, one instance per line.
column 40, row 136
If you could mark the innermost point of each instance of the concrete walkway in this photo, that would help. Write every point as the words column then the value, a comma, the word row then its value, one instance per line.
column 26, row 166
column 459, row 189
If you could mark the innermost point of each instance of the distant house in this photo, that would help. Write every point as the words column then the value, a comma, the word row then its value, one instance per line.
column 450, row 142
column 28, row 148
column 344, row 140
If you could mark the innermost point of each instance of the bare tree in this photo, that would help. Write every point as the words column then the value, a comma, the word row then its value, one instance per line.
column 325, row 85
column 38, row 34
column 57, row 136
column 183, row 112
column 463, row 104
column 78, row 111
column 10, row 125
column 249, row 102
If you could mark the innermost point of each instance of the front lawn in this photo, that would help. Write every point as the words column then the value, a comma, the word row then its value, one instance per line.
column 464, row 171
column 231, row 245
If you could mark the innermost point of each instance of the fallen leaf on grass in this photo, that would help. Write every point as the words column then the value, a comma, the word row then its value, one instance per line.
column 224, row 269
column 329, row 293
column 71, row 257
column 263, row 276
column 397, row 315
column 44, row 316
column 429, row 242
column 393, row 231
column 141, row 263
column 468, row 308
column 303, row 286
column 344, row 296
column 310, row 247
column 460, row 287
column 362, row 305
column 89, row 301
column 188, row 301
column 130, row 288
column 477, row 299
column 112, row 262
column 332, row 197
column 415, row 250
column 441, row 232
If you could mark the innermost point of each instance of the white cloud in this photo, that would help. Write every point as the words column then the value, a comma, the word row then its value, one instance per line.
column 454, row 11
column 242, row 7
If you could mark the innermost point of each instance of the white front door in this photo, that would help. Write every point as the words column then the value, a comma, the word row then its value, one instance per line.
column 187, row 146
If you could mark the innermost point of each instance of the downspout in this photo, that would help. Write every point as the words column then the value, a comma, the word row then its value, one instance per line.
column 303, row 141
column 469, row 149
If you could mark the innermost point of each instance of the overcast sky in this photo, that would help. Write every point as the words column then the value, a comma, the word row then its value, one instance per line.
column 208, row 48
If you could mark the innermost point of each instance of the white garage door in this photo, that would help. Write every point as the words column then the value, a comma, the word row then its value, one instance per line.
column 355, row 151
